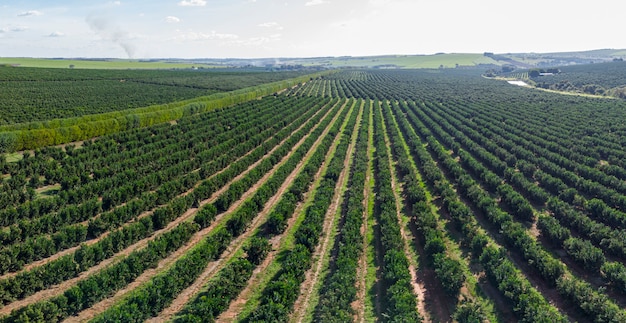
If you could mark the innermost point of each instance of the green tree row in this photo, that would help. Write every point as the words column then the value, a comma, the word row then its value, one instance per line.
column 281, row 293
column 339, row 288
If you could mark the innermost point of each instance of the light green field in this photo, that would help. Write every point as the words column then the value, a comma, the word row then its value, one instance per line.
column 408, row 61
column 98, row 64
column 621, row 53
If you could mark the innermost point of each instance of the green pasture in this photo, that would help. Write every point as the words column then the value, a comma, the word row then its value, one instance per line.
column 407, row 61
column 99, row 64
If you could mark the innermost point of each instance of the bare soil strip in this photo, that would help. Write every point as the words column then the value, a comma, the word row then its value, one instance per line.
column 475, row 285
column 419, row 289
column 60, row 288
column 312, row 276
column 146, row 213
column 260, row 275
column 236, row 244
column 237, row 304
column 165, row 263
column 359, row 304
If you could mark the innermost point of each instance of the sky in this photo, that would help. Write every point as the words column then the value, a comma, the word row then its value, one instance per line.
column 303, row 28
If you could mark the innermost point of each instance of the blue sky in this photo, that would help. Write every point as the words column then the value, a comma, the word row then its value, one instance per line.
column 303, row 28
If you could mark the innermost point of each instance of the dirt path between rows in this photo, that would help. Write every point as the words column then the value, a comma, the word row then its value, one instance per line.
column 165, row 263
column 62, row 253
column 60, row 288
column 312, row 275
column 213, row 268
column 361, row 284
column 419, row 288
column 237, row 305
column 358, row 306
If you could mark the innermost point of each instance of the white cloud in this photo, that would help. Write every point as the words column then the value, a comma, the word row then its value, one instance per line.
column 213, row 35
column 316, row 2
column 16, row 29
column 271, row 24
column 56, row 34
column 30, row 13
column 172, row 19
column 192, row 3
column 256, row 41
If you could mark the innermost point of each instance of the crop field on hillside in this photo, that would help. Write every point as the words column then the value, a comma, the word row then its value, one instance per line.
column 361, row 195
column 445, row 60
column 114, row 64
column 38, row 94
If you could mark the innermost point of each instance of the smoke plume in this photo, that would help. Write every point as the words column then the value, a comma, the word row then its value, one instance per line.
column 107, row 29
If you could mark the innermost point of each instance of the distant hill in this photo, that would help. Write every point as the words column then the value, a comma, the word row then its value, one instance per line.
column 440, row 60
column 528, row 60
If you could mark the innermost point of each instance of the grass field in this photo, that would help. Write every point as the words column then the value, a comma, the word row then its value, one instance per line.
column 409, row 61
column 401, row 61
column 99, row 64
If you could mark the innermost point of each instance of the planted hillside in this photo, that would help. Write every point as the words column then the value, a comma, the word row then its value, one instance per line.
column 40, row 94
column 54, row 131
column 599, row 79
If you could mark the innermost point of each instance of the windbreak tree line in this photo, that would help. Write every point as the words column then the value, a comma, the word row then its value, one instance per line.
column 51, row 131
column 40, row 94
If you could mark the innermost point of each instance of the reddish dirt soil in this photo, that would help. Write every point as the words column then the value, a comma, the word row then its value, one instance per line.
column 214, row 267
column 142, row 215
column 163, row 264
column 358, row 306
column 58, row 289
column 313, row 274
column 237, row 304
column 418, row 285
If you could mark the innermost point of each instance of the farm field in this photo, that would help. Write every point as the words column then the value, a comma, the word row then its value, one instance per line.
column 116, row 64
column 39, row 94
column 446, row 60
column 599, row 79
column 360, row 195
column 228, row 88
